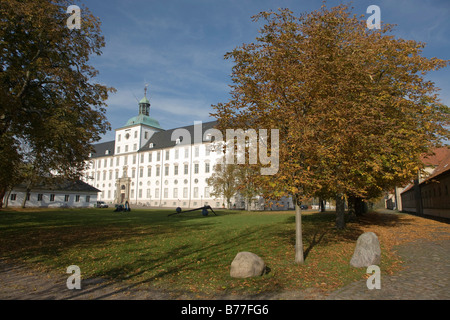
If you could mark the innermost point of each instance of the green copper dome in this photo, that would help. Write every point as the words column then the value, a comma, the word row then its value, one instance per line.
column 144, row 100
column 145, row 120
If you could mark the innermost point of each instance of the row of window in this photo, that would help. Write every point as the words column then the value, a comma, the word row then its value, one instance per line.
column 40, row 197
column 175, row 194
column 149, row 171
column 135, row 133
column 150, row 156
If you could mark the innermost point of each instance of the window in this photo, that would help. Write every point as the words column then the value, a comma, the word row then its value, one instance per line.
column 40, row 197
column 66, row 198
column 104, row 175
column 175, row 170
column 196, row 168
column 167, row 154
column 157, row 193
column 207, row 167
column 105, row 163
column 118, row 138
column 135, row 134
column 77, row 198
column 132, row 193
column 195, row 192
column 177, row 153
column 149, row 171
column 110, row 175
column 125, row 160
column 146, row 135
column 88, row 198
column 133, row 173
column 166, row 170
column 166, row 193
column 134, row 147
column 117, row 161
column 99, row 163
column 52, row 197
column 175, row 192
column 142, row 157
column 158, row 171
column 186, row 152
column 148, row 193
column 185, row 192
column 158, row 156
column 207, row 150
column 117, row 174
column 126, row 148
column 141, row 172
column 206, row 192
column 186, row 169
column 118, row 149
column 140, row 193
column 149, row 157
column 13, row 196
column 134, row 159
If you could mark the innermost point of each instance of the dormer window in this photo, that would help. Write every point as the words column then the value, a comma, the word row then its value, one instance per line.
column 177, row 141
column 107, row 152
column 151, row 146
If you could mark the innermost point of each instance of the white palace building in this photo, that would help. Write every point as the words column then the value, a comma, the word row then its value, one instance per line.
column 149, row 166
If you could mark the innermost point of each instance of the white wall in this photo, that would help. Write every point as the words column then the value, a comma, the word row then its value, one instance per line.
column 58, row 201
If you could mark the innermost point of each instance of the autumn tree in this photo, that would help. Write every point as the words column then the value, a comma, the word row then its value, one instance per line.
column 223, row 181
column 352, row 108
column 247, row 185
column 49, row 101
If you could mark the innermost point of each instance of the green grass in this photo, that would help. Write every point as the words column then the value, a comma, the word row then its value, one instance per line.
column 187, row 252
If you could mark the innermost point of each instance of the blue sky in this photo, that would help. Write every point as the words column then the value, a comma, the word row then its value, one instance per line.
column 177, row 46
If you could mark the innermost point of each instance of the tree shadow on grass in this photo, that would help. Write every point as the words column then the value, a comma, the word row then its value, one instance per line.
column 319, row 228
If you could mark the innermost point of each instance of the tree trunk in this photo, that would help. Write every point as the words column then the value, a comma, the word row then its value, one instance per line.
column 27, row 192
column 299, row 258
column 351, row 200
column 322, row 205
column 340, row 211
column 2, row 195
column 359, row 206
column 7, row 198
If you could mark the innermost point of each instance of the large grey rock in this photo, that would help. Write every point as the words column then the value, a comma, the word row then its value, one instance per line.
column 367, row 251
column 246, row 265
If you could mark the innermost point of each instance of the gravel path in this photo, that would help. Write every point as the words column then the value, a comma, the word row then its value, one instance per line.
column 426, row 276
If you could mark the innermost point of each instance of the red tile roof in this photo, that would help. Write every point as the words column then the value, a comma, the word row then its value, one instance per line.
column 440, row 160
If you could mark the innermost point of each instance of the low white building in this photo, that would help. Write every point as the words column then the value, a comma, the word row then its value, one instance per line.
column 66, row 194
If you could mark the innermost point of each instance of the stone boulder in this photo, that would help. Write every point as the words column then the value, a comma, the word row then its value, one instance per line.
column 246, row 265
column 367, row 251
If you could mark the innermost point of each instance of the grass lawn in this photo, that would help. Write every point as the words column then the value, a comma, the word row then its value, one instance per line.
column 190, row 252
